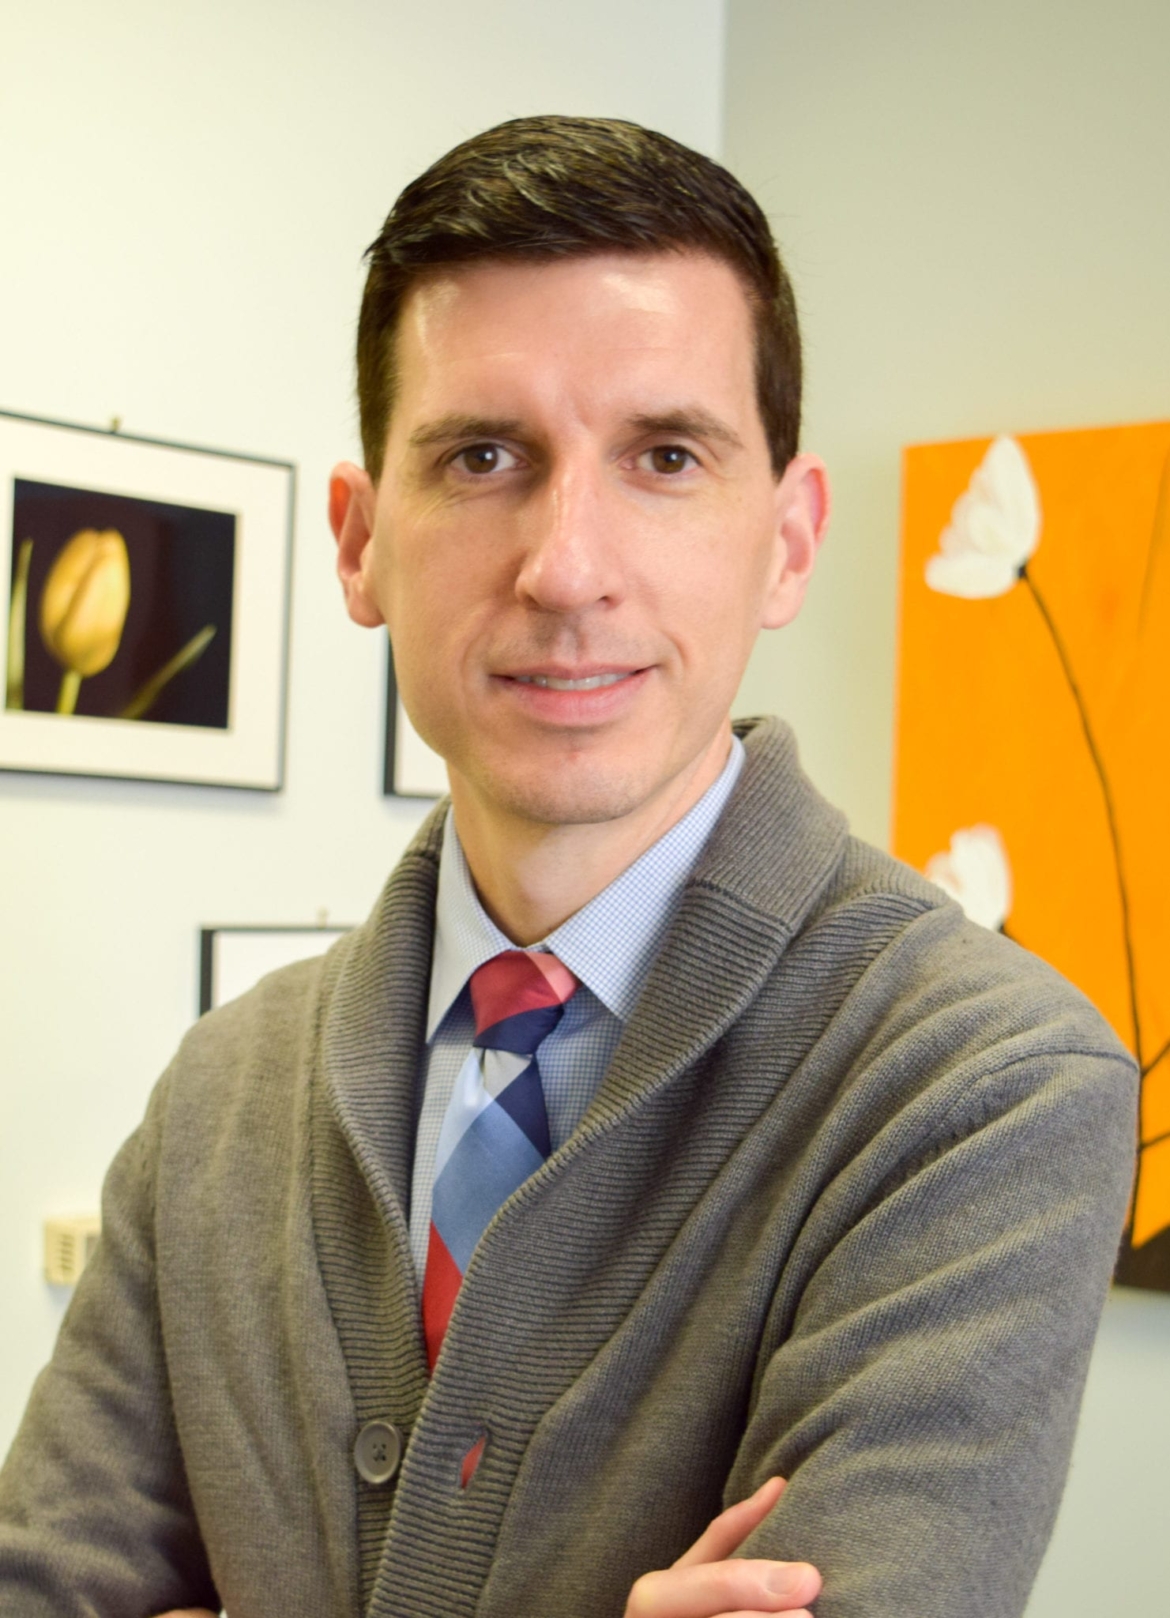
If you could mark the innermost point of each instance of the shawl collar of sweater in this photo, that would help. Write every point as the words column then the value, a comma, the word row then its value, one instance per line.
column 769, row 859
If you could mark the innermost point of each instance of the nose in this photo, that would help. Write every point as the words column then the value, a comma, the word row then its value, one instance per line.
column 570, row 558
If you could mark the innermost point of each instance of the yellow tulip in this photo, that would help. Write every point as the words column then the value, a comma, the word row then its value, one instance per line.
column 85, row 601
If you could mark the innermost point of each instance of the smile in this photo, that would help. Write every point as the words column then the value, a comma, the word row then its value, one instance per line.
column 551, row 683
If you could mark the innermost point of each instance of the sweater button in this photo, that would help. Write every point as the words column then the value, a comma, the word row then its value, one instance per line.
column 377, row 1451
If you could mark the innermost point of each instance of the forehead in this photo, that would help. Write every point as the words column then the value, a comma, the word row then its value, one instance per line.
column 587, row 328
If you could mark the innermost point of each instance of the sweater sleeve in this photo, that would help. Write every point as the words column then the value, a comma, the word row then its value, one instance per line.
column 95, row 1513
column 924, row 1402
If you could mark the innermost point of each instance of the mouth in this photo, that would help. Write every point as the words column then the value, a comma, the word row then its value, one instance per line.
column 587, row 682
column 560, row 695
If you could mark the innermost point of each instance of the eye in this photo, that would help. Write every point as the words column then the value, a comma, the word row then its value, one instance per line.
column 669, row 458
column 480, row 459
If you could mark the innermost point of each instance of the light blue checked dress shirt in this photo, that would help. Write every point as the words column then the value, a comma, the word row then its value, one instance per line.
column 609, row 946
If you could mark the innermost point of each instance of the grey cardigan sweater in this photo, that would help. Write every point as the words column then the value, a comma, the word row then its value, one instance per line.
column 844, row 1208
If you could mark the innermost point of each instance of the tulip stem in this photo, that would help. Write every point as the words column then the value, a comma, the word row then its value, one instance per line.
column 67, row 695
column 18, row 628
column 146, row 695
column 1107, row 795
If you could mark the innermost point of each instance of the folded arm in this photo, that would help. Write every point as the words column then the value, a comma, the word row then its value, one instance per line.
column 921, row 1394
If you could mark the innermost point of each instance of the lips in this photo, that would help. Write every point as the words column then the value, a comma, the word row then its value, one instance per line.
column 588, row 682
column 559, row 694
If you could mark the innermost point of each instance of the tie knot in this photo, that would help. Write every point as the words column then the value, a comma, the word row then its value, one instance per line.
column 518, row 998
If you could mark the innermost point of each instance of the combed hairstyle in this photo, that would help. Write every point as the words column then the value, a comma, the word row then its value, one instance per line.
column 546, row 188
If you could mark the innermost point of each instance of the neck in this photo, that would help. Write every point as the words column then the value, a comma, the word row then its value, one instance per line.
column 532, row 876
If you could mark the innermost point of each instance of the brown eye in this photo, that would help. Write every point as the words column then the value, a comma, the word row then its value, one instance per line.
column 483, row 459
column 670, row 458
column 480, row 457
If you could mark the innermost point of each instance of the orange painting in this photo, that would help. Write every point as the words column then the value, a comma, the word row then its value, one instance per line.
column 1033, row 751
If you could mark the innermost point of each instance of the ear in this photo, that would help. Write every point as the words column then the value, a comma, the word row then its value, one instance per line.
column 352, row 500
column 802, row 519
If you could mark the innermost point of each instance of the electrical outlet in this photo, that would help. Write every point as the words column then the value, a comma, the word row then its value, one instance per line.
column 69, row 1244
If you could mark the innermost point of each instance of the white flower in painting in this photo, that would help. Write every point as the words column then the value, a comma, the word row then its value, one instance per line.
column 975, row 872
column 993, row 530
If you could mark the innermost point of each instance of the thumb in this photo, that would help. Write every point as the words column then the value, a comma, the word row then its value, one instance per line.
column 727, row 1532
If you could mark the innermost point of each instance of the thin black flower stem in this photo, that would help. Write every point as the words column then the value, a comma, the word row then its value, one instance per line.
column 1150, row 1066
column 1107, row 795
column 1157, row 1140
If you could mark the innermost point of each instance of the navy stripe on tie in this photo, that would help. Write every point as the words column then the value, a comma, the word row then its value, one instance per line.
column 522, row 1033
column 523, row 1101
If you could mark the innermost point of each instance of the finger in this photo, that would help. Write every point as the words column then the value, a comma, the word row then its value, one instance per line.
column 718, row 1588
column 728, row 1531
column 801, row 1612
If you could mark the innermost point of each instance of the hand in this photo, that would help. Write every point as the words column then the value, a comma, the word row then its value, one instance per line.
column 708, row 1582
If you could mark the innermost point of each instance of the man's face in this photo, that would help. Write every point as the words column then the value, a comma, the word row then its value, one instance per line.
column 578, row 532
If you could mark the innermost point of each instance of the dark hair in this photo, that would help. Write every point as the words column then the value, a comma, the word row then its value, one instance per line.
column 555, row 187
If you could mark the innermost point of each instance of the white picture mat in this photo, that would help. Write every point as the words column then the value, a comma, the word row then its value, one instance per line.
column 419, row 772
column 240, row 957
column 259, row 494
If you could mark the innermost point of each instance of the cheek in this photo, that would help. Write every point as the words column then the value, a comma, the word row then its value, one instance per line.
column 439, row 607
column 416, row 573
column 713, row 591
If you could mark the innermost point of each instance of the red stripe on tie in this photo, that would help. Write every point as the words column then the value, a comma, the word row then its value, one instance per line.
column 441, row 1282
column 470, row 1462
column 560, row 980
column 518, row 980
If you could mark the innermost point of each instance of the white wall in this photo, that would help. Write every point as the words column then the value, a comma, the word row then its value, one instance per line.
column 973, row 203
column 186, row 191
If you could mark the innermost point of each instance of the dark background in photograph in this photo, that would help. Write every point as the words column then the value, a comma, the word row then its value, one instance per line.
column 182, row 564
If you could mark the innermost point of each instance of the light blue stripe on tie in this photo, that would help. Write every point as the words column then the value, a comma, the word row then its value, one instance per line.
column 468, row 1099
column 490, row 1160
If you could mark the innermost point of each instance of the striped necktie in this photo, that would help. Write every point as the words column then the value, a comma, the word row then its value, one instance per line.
column 495, row 1131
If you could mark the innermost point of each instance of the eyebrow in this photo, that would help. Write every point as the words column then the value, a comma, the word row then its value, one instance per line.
column 690, row 422
column 449, row 429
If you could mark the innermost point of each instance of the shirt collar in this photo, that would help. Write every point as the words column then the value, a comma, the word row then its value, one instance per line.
column 610, row 943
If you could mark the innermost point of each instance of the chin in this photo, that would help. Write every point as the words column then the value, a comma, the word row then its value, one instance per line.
column 564, row 797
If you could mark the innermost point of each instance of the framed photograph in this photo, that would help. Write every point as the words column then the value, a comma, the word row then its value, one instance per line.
column 145, row 607
column 412, row 769
column 232, row 959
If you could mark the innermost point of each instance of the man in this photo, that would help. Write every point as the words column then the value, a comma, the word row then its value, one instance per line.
column 653, row 1142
